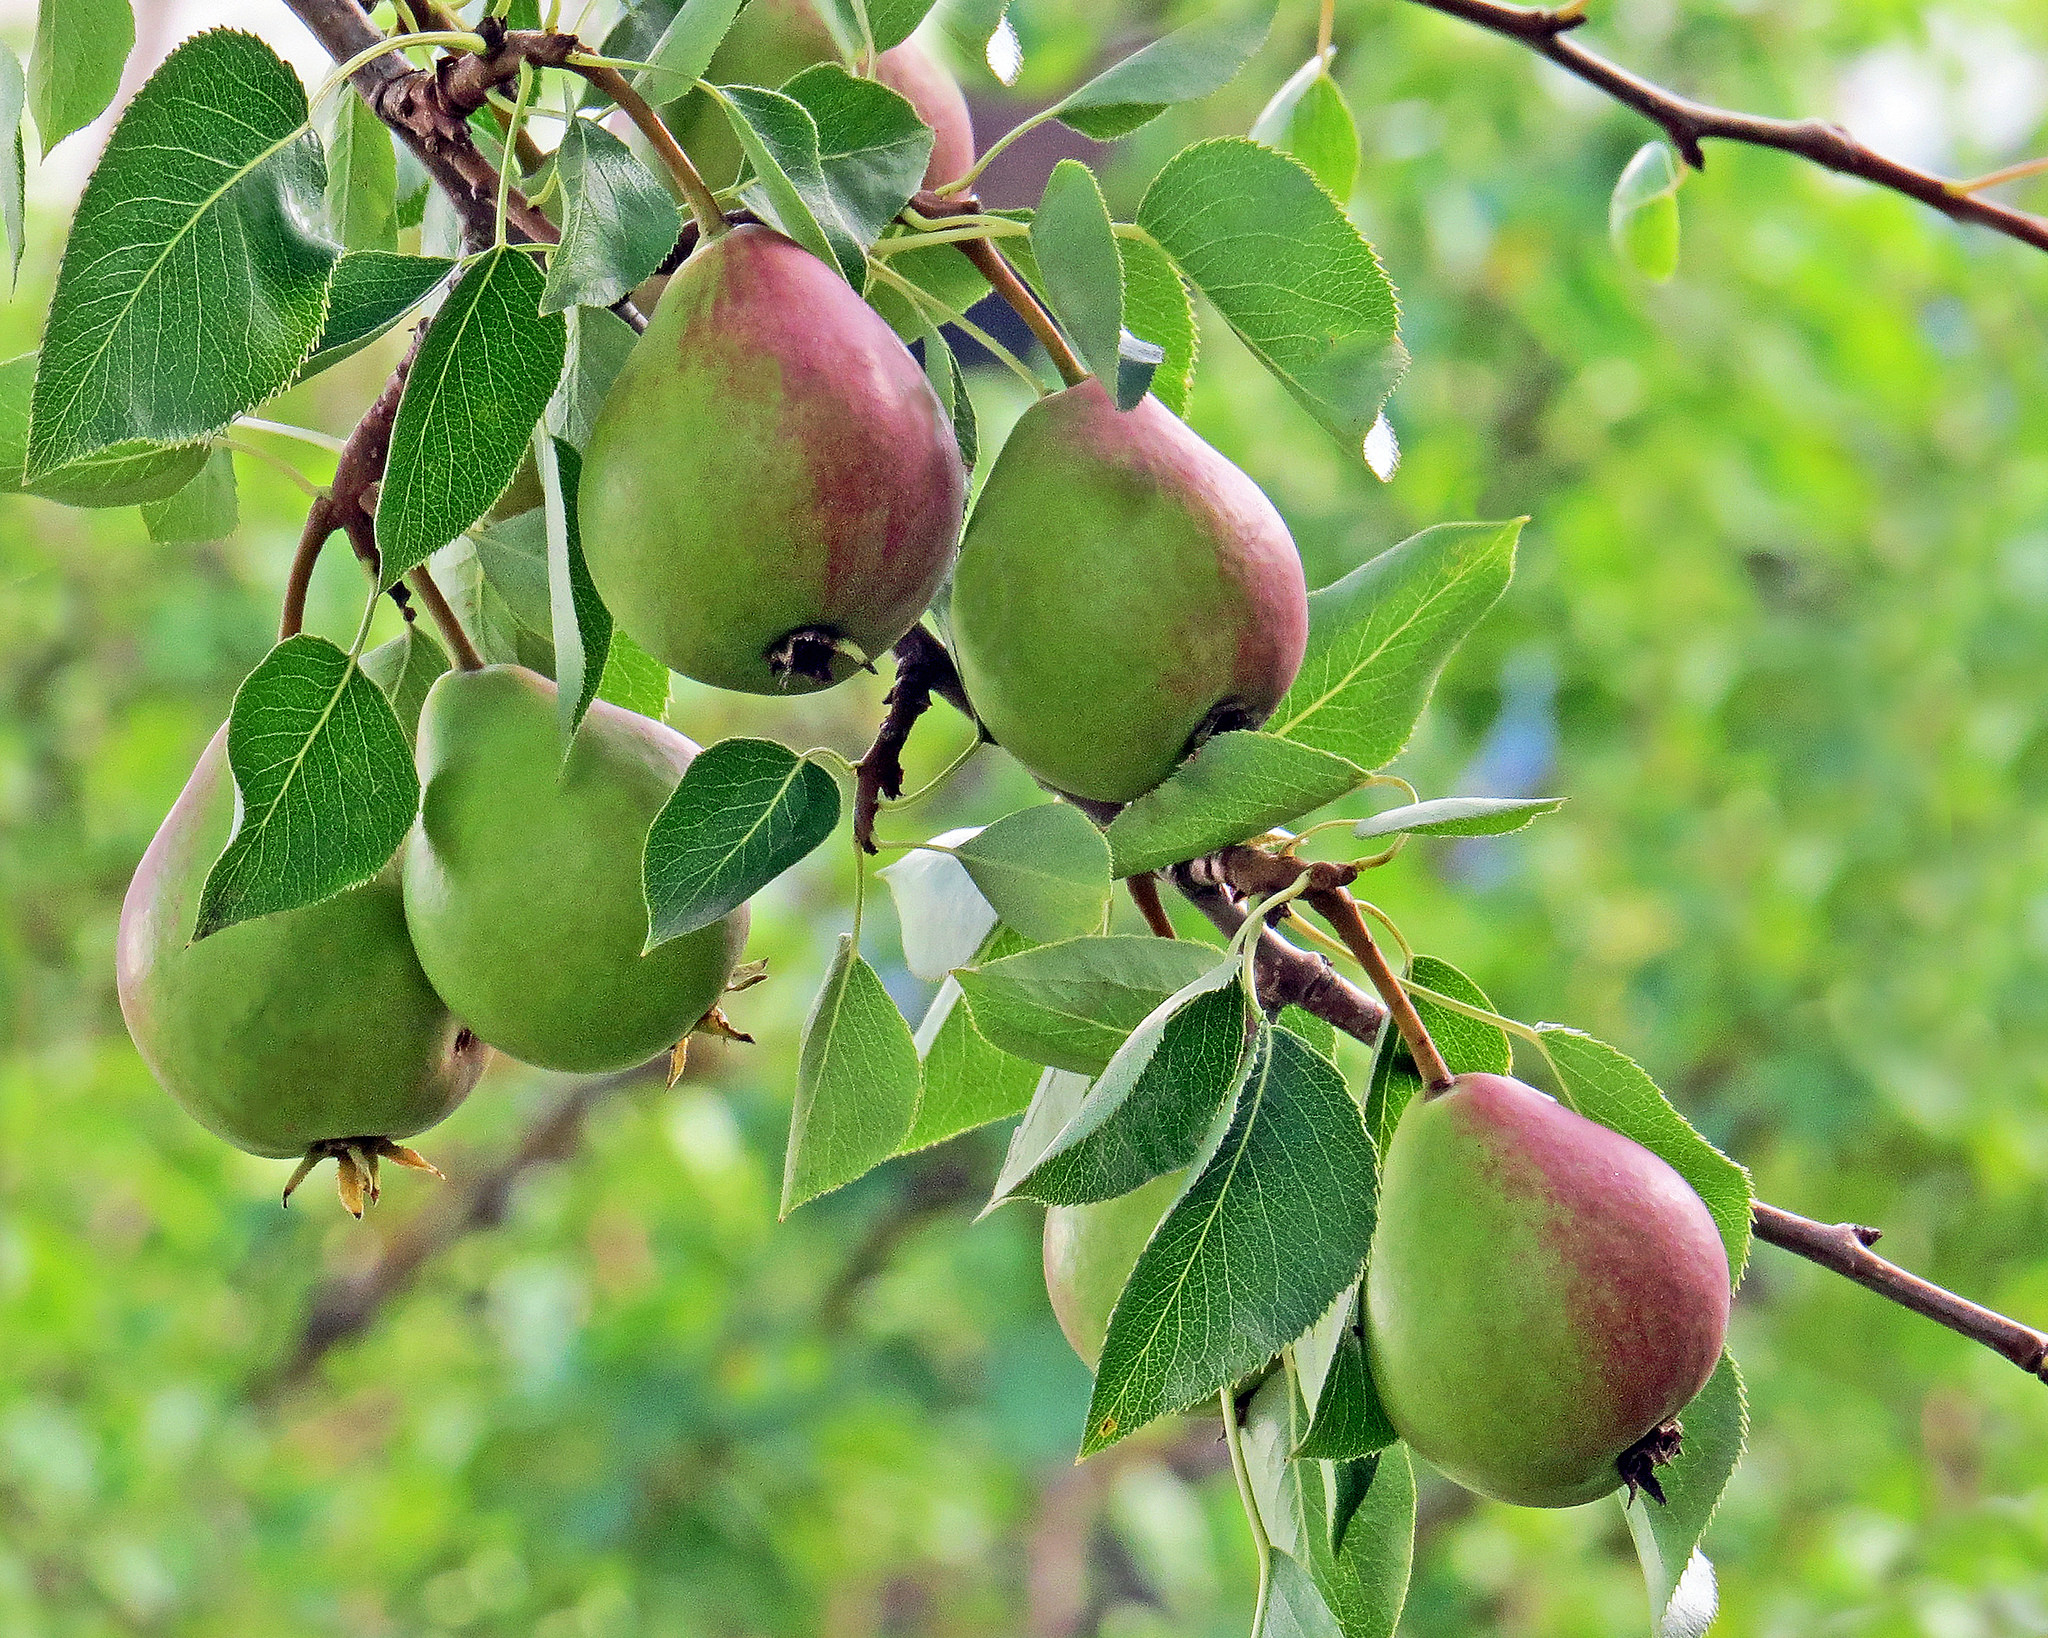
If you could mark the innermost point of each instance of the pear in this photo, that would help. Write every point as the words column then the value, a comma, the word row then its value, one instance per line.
column 772, row 491
column 1123, row 591
column 1090, row 1252
column 523, row 876
column 1544, row 1295
column 294, row 1034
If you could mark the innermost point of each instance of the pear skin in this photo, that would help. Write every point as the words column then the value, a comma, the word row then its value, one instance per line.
column 1089, row 1253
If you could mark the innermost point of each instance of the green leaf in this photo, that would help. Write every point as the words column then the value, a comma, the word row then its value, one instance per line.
column 1154, row 1107
column 1191, row 62
column 1295, row 1607
column 856, row 1083
column 1278, row 1223
column 405, row 668
column 1071, row 1005
column 1052, row 1105
column 1349, row 1421
column 485, row 372
column 894, row 21
column 205, row 509
column 633, row 678
column 1079, row 267
column 938, row 270
column 872, row 147
column 195, row 280
column 618, row 221
column 13, row 166
column 1320, row 1033
column 362, row 177
column 1157, row 307
column 684, row 50
column 513, row 555
column 1045, row 869
column 125, row 475
column 370, row 292
column 1683, row 1597
column 1459, row 816
column 75, row 69
column 745, row 811
column 944, row 918
column 780, row 140
column 579, row 623
column 598, row 344
column 942, row 370
column 1379, row 638
column 1642, row 216
column 1237, row 786
column 324, row 780
column 966, row 1082
column 1469, row 1046
column 1606, row 1085
column 1265, row 241
column 1309, row 118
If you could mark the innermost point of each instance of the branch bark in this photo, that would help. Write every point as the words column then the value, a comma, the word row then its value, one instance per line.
column 1547, row 31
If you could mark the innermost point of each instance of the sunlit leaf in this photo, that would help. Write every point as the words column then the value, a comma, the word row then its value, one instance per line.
column 75, row 69
column 1070, row 1005
column 857, row 1083
column 1683, row 1597
column 1191, row 62
column 1237, row 786
column 618, row 221
column 1045, row 869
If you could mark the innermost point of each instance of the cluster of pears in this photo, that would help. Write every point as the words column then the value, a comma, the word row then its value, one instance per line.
column 1544, row 1294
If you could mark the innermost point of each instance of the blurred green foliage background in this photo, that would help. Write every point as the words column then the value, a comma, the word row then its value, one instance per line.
column 1780, row 632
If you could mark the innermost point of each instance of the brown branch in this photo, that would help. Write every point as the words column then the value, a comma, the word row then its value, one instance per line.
column 923, row 668
column 1844, row 1249
column 1144, row 891
column 1688, row 123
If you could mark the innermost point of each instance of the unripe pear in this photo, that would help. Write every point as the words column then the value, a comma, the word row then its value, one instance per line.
column 1122, row 590
column 523, row 876
column 290, row 1030
column 771, row 477
column 1090, row 1252
column 1543, row 1292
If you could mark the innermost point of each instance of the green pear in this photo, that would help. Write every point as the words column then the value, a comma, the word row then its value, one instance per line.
column 1123, row 590
column 1090, row 1252
column 1543, row 1295
column 523, row 880
column 291, row 1031
column 772, row 491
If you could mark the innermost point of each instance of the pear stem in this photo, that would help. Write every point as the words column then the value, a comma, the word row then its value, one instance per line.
column 1340, row 910
column 457, row 639
column 1144, row 890
column 994, row 266
column 688, row 179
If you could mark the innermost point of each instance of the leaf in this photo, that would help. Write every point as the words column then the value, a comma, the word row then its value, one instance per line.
column 966, row 1082
column 780, row 140
column 1071, row 1005
column 195, row 279
column 125, row 475
column 484, row 373
column 1320, row 1033
column 1156, row 306
column 1309, row 118
column 633, row 678
column 1680, row 1580
column 1349, row 1420
column 1264, row 241
column 1378, row 639
column 1237, row 786
column 75, row 69
column 1154, row 1107
column 1278, row 1223
column 944, row 918
column 684, row 50
column 618, row 221
column 856, row 1082
column 598, row 344
column 1606, row 1085
column 405, row 668
column 894, row 21
column 938, row 270
column 1295, row 1607
column 1079, row 267
column 370, row 292
column 1045, row 869
column 1058, row 1096
column 1459, row 816
column 1642, row 216
column 872, row 147
column 324, row 781
column 205, row 509
column 1191, row 62
column 1469, row 1046
column 579, row 622
column 513, row 555
column 13, row 164
column 745, row 811
column 362, row 177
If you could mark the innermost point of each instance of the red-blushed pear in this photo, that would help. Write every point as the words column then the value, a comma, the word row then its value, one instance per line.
column 1544, row 1295
column 296, row 1035
column 929, row 87
column 771, row 481
column 1090, row 1252
column 1122, row 591
column 523, row 876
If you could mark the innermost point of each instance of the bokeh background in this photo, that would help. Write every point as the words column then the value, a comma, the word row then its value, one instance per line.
column 1780, row 632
